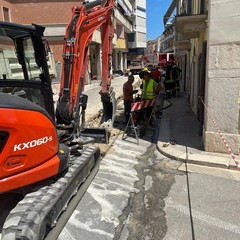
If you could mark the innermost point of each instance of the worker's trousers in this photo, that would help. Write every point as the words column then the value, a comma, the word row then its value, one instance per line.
column 158, row 117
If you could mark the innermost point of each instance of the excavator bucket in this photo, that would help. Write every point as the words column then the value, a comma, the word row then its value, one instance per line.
column 109, row 108
column 98, row 134
column 102, row 134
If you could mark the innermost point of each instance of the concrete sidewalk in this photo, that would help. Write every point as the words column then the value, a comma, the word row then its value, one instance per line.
column 179, row 138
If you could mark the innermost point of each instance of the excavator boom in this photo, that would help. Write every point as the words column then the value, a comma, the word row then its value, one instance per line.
column 85, row 20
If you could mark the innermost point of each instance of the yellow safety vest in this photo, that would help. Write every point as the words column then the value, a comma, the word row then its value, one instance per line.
column 148, row 89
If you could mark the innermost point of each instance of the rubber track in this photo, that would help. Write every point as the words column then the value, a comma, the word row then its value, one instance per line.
column 37, row 213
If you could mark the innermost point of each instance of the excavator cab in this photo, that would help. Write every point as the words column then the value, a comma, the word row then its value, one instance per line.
column 24, row 71
column 29, row 145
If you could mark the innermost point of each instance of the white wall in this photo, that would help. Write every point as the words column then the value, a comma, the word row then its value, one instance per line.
column 223, row 75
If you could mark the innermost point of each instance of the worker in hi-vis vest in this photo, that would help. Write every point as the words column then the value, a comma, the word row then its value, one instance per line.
column 148, row 92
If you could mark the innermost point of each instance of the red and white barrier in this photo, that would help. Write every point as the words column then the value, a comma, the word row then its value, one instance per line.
column 142, row 104
column 223, row 139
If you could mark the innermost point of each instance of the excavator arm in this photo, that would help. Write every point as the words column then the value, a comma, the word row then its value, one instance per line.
column 85, row 20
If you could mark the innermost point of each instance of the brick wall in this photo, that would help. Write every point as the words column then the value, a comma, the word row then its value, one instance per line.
column 4, row 4
column 57, row 48
column 42, row 11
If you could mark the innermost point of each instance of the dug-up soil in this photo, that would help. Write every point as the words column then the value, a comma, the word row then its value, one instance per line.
column 115, row 131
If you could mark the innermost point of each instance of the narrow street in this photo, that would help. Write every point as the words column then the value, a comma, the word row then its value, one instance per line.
column 73, row 169
column 140, row 194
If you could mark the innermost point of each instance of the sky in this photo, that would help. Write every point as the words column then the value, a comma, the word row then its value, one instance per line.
column 156, row 9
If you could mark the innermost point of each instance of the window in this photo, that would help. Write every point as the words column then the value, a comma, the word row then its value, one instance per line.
column 18, row 65
column 6, row 15
column 141, row 9
column 131, row 37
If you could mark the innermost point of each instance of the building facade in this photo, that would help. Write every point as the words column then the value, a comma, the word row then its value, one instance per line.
column 123, row 26
column 137, row 38
column 168, row 38
column 208, row 43
column 54, row 15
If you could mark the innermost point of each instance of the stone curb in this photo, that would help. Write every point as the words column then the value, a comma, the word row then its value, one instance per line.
column 219, row 160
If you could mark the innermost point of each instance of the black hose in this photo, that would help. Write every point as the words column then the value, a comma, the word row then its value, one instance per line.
column 169, row 105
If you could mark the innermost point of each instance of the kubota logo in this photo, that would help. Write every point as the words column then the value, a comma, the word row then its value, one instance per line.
column 32, row 144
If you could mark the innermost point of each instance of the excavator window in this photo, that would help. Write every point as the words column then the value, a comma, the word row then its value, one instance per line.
column 20, row 73
column 17, row 59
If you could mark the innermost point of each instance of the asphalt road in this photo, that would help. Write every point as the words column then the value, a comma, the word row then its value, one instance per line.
column 140, row 194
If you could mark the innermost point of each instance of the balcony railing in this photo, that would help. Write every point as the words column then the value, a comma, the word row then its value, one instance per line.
column 191, row 18
column 191, row 7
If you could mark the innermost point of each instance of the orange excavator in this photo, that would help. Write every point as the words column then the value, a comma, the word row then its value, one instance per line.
column 43, row 151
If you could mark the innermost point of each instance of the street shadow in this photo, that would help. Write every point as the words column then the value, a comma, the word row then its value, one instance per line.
column 179, row 124
column 189, row 198
column 7, row 202
column 142, row 132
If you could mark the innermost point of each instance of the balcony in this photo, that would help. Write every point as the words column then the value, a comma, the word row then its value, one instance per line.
column 122, row 20
column 191, row 26
column 182, row 45
column 191, row 17
column 168, row 37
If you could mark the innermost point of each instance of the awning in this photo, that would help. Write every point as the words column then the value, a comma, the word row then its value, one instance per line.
column 169, row 11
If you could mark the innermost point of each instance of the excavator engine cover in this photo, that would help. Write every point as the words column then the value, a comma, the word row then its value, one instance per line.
column 28, row 144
